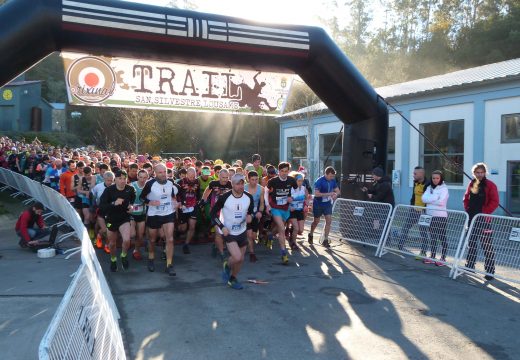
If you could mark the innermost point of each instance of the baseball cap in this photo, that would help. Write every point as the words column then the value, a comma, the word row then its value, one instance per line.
column 235, row 179
column 206, row 171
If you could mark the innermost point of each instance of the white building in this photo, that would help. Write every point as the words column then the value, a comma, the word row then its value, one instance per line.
column 472, row 115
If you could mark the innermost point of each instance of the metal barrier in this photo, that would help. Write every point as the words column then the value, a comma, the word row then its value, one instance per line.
column 362, row 222
column 491, row 247
column 86, row 322
column 435, row 235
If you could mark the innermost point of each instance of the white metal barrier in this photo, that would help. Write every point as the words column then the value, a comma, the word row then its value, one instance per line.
column 435, row 235
column 85, row 326
column 491, row 247
column 362, row 222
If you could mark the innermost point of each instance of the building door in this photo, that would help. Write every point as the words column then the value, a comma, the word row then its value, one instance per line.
column 513, row 187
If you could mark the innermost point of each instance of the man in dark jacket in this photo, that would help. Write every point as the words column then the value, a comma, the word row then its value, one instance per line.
column 420, row 183
column 381, row 189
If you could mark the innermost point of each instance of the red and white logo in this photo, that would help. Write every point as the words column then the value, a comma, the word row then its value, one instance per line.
column 91, row 80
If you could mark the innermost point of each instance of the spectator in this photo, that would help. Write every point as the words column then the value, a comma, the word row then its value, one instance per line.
column 436, row 197
column 381, row 189
column 420, row 183
column 481, row 197
column 24, row 227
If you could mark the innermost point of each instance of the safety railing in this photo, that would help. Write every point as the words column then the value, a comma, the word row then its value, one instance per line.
column 492, row 248
column 362, row 222
column 85, row 324
column 430, row 234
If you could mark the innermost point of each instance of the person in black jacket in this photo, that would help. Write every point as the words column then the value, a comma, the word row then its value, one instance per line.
column 381, row 189
column 420, row 183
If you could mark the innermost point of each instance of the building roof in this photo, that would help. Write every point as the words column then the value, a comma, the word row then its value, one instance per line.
column 500, row 71
column 58, row 106
column 22, row 83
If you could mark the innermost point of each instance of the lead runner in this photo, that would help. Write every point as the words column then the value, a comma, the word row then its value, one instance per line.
column 236, row 210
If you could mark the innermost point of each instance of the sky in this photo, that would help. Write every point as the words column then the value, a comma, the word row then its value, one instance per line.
column 275, row 11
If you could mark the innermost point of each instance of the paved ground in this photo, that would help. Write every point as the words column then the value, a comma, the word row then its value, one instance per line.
column 30, row 291
column 338, row 304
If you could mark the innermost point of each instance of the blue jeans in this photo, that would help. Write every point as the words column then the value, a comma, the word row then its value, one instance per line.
column 35, row 233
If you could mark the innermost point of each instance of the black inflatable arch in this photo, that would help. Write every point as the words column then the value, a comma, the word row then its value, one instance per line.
column 32, row 29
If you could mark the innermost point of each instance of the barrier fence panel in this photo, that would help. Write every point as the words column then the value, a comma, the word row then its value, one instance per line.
column 491, row 247
column 362, row 222
column 425, row 233
column 85, row 326
column 82, row 327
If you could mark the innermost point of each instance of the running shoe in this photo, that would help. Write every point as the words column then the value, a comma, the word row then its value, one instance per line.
column 99, row 241
column 253, row 258
column 294, row 247
column 170, row 270
column 309, row 239
column 420, row 256
column 151, row 265
column 113, row 266
column 488, row 277
column 106, row 249
column 269, row 242
column 186, row 249
column 124, row 262
column 428, row 261
column 440, row 263
column 326, row 243
column 137, row 255
column 285, row 260
column 235, row 284
column 226, row 272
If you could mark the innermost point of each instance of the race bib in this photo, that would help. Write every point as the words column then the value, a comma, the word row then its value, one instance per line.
column 281, row 200
column 236, row 227
column 326, row 199
column 188, row 209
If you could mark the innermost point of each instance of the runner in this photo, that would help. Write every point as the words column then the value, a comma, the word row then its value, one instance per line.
column 256, row 160
column 297, row 217
column 82, row 188
column 326, row 192
column 189, row 195
column 278, row 193
column 66, row 182
column 231, row 214
column 133, row 169
column 116, row 202
column 256, row 191
column 138, row 215
column 160, row 196
column 101, row 227
column 215, row 189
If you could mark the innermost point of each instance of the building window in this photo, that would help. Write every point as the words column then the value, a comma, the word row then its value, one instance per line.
column 331, row 146
column 511, row 128
column 390, row 157
column 296, row 151
column 448, row 136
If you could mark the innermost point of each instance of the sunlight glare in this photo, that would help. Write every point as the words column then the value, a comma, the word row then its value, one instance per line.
column 317, row 339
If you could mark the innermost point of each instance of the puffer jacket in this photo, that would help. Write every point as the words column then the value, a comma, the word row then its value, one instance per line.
column 436, row 200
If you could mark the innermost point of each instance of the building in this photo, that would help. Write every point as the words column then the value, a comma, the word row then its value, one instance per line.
column 472, row 115
column 22, row 107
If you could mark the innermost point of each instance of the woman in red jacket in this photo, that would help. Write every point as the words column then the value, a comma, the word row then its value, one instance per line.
column 29, row 234
column 481, row 197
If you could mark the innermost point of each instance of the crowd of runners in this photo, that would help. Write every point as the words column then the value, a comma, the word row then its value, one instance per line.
column 141, row 201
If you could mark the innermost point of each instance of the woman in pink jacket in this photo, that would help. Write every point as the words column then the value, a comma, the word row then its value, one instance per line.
column 436, row 197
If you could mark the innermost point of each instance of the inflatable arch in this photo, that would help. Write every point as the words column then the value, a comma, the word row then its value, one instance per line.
column 32, row 29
